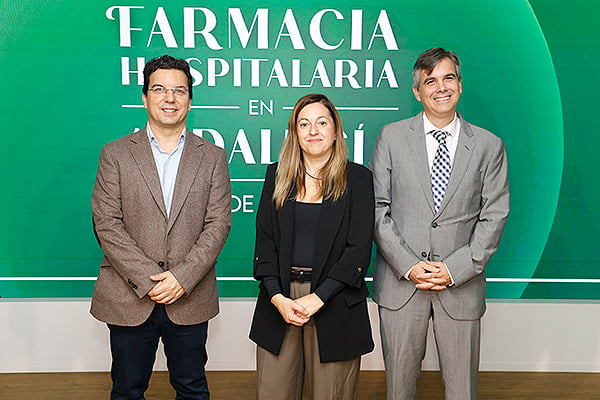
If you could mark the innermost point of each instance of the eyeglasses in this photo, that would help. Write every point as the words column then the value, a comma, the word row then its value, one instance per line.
column 177, row 91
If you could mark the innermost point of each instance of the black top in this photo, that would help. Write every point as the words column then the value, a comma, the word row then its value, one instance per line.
column 306, row 219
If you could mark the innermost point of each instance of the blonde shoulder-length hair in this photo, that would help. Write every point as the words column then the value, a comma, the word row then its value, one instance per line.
column 291, row 169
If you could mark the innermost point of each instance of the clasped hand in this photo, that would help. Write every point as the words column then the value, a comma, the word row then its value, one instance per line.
column 430, row 275
column 168, row 289
column 297, row 312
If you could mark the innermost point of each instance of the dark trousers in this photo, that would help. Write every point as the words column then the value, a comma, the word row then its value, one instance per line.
column 134, row 351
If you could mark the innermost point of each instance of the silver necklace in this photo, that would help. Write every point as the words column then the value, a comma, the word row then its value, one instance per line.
column 314, row 177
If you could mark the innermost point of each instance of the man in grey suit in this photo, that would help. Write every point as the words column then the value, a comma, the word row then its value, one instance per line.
column 161, row 207
column 441, row 202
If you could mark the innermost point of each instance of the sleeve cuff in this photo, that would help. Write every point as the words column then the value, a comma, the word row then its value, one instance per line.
column 407, row 274
column 271, row 284
column 329, row 288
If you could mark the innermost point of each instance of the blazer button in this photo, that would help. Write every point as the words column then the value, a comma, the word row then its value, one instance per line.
column 434, row 224
column 424, row 254
column 161, row 264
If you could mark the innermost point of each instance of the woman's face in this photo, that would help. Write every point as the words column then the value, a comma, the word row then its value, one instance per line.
column 316, row 131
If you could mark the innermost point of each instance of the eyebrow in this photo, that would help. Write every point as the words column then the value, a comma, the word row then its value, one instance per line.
column 320, row 116
column 431, row 78
column 159, row 84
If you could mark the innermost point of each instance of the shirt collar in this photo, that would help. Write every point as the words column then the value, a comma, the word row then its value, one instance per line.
column 452, row 128
column 153, row 139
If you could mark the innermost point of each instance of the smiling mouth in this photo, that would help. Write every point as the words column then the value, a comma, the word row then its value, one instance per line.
column 443, row 98
column 169, row 110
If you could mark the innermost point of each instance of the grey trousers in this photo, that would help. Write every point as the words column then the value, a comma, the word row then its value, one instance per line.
column 404, row 337
column 282, row 377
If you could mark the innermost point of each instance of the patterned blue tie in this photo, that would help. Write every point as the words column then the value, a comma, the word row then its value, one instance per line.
column 440, row 171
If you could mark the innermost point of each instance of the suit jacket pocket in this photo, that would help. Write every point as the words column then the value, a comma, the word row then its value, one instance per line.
column 355, row 296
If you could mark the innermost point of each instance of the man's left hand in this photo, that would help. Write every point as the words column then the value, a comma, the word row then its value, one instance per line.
column 168, row 289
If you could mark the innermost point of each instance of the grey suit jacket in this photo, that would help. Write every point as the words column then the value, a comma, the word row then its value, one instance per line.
column 139, row 240
column 465, row 232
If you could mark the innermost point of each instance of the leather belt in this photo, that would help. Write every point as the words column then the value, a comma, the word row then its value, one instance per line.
column 300, row 275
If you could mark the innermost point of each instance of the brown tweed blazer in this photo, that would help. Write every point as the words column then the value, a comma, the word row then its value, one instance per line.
column 139, row 240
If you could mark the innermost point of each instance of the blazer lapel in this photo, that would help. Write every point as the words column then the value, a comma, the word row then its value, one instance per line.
column 142, row 154
column 330, row 218
column 462, row 157
column 190, row 162
column 418, row 153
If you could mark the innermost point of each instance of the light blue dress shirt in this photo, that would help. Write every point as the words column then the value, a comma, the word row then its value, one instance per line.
column 167, row 165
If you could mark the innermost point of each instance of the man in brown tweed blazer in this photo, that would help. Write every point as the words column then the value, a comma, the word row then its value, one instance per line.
column 161, row 207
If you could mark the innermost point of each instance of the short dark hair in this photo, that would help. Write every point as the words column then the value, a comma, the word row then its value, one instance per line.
column 429, row 59
column 167, row 62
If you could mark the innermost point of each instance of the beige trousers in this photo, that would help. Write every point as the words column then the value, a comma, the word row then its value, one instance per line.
column 282, row 377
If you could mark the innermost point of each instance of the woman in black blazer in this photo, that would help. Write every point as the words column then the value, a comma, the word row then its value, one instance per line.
column 314, row 231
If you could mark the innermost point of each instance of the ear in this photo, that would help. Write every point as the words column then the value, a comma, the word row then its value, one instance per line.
column 145, row 100
column 190, row 105
column 416, row 93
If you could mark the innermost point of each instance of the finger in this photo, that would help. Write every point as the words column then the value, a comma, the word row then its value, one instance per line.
column 159, row 297
column 420, row 270
column 424, row 285
column 169, row 298
column 176, row 296
column 435, row 263
column 302, row 312
column 160, row 301
column 163, row 295
column 433, row 280
column 432, row 264
column 299, row 308
column 303, row 316
column 156, row 299
column 433, row 275
column 426, row 278
column 295, row 320
column 300, row 315
column 158, row 277
column 418, row 281
column 157, row 289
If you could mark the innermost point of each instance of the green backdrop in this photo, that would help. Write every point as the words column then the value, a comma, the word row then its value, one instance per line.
column 70, row 83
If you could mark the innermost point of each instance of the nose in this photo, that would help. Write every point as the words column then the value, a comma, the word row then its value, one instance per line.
column 169, row 95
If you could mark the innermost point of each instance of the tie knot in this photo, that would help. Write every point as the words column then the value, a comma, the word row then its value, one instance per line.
column 440, row 136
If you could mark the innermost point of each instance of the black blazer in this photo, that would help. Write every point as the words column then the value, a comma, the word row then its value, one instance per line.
column 342, row 252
